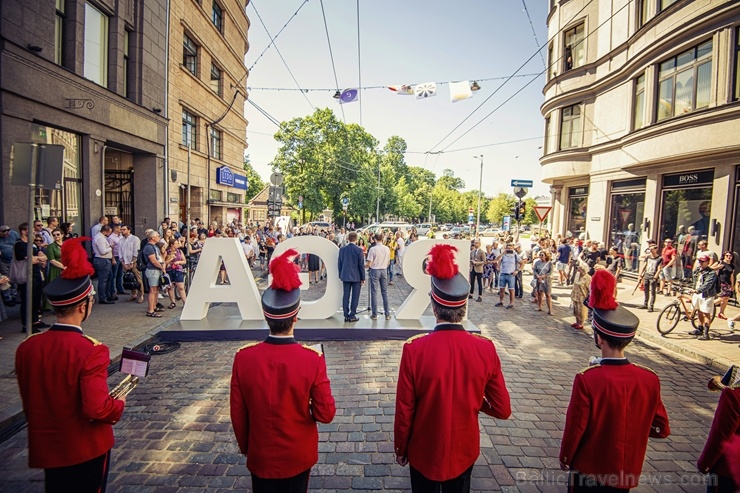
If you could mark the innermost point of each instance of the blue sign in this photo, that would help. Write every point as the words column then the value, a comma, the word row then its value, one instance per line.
column 240, row 182
column 522, row 183
column 345, row 201
column 224, row 176
column 506, row 223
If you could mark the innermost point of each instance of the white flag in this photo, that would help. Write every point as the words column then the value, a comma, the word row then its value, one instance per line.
column 426, row 90
column 460, row 91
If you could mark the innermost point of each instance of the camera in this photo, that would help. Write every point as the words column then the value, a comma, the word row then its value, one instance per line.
column 509, row 251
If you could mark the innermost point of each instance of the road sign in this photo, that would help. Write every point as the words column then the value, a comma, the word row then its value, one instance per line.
column 506, row 224
column 345, row 202
column 276, row 179
column 522, row 183
column 520, row 192
column 542, row 211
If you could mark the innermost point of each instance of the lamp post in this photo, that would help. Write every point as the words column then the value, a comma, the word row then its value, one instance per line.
column 480, row 189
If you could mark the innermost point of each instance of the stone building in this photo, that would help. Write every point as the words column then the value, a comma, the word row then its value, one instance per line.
column 91, row 76
column 208, row 78
column 257, row 207
column 642, row 121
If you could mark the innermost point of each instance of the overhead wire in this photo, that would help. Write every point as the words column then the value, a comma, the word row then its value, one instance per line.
column 534, row 33
column 331, row 55
column 359, row 61
column 276, row 36
column 478, row 146
column 272, row 40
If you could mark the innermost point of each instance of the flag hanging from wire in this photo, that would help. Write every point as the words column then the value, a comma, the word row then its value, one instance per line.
column 426, row 90
column 462, row 90
column 348, row 96
column 403, row 90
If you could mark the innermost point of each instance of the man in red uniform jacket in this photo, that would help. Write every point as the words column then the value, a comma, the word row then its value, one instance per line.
column 615, row 405
column 63, row 380
column 721, row 454
column 446, row 378
column 279, row 390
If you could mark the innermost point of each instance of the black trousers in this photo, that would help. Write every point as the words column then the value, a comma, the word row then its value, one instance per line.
column 518, row 286
column 296, row 484
column 720, row 484
column 479, row 276
column 88, row 477
column 578, row 483
column 460, row 484
column 651, row 285
column 35, row 301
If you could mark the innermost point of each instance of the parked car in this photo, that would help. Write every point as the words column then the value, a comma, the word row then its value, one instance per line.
column 491, row 232
column 423, row 228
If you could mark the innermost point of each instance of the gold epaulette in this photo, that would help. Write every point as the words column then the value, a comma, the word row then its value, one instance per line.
column 311, row 348
column 482, row 337
column 413, row 338
column 644, row 368
column 93, row 340
column 588, row 368
column 251, row 344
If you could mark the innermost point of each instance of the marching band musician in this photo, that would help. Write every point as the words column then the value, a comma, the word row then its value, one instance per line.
column 721, row 454
column 615, row 405
column 279, row 391
column 63, row 380
column 446, row 378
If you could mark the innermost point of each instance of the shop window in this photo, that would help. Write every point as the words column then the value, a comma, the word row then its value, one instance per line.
column 737, row 64
column 642, row 12
column 189, row 129
column 577, row 203
column 96, row 46
column 190, row 55
column 684, row 82
column 625, row 222
column 215, row 143
column 638, row 109
column 233, row 197
column 59, row 32
column 574, row 49
column 571, row 127
column 216, row 76
column 217, row 17
column 216, row 195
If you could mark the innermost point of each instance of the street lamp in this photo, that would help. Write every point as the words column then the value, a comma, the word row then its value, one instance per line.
column 480, row 189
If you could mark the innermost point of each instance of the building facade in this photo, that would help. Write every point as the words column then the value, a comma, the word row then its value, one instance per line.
column 208, row 78
column 257, row 210
column 642, row 121
column 88, row 75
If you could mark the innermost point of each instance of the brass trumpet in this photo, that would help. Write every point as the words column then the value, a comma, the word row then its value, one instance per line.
column 125, row 387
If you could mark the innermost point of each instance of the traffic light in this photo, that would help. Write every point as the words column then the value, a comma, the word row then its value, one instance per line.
column 522, row 211
column 515, row 213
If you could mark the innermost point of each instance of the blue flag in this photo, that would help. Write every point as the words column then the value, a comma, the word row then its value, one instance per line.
column 349, row 96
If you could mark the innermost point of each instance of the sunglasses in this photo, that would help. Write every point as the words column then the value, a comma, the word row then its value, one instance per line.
column 38, row 241
column 57, row 234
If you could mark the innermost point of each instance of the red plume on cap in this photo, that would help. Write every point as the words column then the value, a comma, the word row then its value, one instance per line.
column 442, row 262
column 603, row 285
column 285, row 272
column 74, row 258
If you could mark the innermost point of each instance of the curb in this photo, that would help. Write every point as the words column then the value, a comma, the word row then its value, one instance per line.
column 652, row 339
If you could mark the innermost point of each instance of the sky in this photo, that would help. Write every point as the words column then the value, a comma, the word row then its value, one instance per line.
column 407, row 43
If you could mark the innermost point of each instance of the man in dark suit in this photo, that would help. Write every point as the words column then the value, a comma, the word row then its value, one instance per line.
column 279, row 391
column 352, row 274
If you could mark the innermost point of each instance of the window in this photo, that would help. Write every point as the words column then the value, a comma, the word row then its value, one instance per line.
column 570, row 127
column 217, row 17
column 551, row 71
column 215, row 195
column 642, row 12
column 189, row 126
column 190, row 55
column 96, row 45
column 59, row 33
column 125, row 62
column 664, row 4
column 737, row 64
column 684, row 82
column 638, row 109
column 233, row 197
column 215, row 79
column 550, row 141
column 215, row 143
column 574, row 47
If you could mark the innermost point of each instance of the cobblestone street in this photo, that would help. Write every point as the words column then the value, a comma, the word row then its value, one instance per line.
column 176, row 435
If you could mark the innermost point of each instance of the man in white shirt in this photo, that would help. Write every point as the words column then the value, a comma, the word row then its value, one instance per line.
column 129, row 251
column 400, row 250
column 96, row 229
column 248, row 250
column 378, row 259
column 701, row 251
column 103, row 262
column 116, row 278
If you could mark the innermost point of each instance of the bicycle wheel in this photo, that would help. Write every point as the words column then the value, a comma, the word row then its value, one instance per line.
column 668, row 318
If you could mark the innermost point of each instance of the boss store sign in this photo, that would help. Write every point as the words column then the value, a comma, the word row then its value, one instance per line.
column 224, row 176
column 691, row 179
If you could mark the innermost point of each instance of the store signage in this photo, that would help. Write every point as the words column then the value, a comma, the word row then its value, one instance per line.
column 689, row 179
column 244, row 292
column 240, row 182
column 572, row 191
column 224, row 176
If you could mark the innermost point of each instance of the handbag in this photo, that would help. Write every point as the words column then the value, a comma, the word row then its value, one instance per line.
column 18, row 271
column 164, row 280
column 129, row 281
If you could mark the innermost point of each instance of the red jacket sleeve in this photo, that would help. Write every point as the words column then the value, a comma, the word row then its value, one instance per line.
column 405, row 405
column 239, row 412
column 97, row 404
column 323, row 407
column 496, row 402
column 660, row 427
column 576, row 420
column 724, row 426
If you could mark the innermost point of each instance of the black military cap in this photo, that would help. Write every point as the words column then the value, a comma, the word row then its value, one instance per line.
column 449, row 287
column 619, row 323
column 282, row 298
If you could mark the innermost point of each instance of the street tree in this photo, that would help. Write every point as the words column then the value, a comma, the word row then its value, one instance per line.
column 500, row 206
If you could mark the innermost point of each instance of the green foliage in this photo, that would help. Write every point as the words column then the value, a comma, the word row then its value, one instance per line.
column 530, row 216
column 254, row 180
column 499, row 207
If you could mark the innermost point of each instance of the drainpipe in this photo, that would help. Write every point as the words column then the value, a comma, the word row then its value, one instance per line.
column 166, row 115
column 102, row 184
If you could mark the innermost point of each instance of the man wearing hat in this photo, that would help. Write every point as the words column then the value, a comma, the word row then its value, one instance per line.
column 446, row 378
column 702, row 297
column 62, row 375
column 615, row 405
column 279, row 391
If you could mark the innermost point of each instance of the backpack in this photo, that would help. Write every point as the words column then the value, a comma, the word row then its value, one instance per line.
column 141, row 261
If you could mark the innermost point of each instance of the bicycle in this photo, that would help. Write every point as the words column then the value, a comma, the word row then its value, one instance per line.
column 680, row 309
